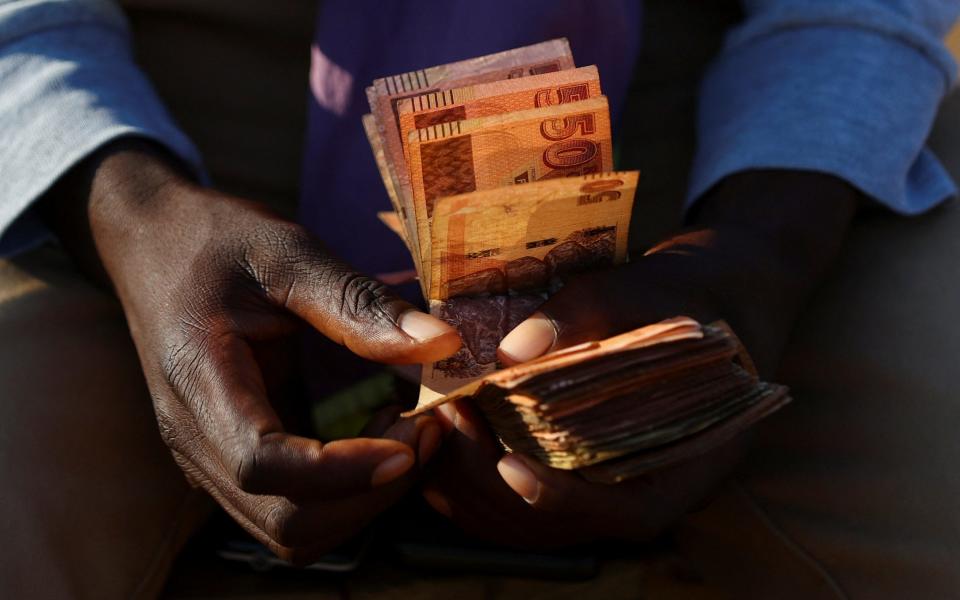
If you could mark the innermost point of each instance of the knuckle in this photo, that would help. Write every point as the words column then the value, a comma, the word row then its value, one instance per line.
column 285, row 246
column 286, row 241
column 363, row 298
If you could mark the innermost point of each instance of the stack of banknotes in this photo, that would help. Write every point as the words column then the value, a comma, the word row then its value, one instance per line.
column 500, row 173
column 619, row 407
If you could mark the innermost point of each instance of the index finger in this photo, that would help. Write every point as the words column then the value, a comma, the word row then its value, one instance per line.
column 222, row 386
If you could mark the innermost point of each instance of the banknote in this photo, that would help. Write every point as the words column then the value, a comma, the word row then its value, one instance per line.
column 385, row 93
column 376, row 146
column 496, row 97
column 482, row 323
column 769, row 399
column 444, row 382
column 503, row 150
column 519, row 238
column 667, row 392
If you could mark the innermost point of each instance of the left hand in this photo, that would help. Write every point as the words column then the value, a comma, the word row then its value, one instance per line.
column 761, row 242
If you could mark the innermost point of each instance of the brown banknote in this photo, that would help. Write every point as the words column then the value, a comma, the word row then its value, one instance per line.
column 767, row 399
column 521, row 237
column 502, row 150
column 386, row 92
column 496, row 97
column 376, row 146
column 623, row 406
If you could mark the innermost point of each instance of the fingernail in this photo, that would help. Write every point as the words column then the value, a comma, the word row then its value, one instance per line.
column 391, row 468
column 436, row 500
column 520, row 478
column 429, row 442
column 421, row 326
column 528, row 340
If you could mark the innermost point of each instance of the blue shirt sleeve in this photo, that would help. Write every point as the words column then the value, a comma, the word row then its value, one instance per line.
column 849, row 88
column 68, row 85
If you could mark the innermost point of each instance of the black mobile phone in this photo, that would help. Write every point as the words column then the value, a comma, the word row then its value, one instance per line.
column 231, row 543
column 258, row 557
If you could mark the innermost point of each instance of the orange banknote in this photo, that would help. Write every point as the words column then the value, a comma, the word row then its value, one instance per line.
column 496, row 97
column 519, row 238
column 509, row 149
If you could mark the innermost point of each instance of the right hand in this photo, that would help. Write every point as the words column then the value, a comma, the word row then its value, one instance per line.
column 205, row 279
column 756, row 250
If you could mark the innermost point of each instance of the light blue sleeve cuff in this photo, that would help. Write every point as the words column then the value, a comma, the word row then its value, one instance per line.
column 851, row 101
column 68, row 85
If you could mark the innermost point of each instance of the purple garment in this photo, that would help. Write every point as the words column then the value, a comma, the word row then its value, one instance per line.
column 359, row 40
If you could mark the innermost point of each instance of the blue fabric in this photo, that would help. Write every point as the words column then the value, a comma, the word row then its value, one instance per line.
column 848, row 87
column 68, row 85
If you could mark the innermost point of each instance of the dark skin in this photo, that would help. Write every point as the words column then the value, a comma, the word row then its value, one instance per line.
column 209, row 282
column 755, row 249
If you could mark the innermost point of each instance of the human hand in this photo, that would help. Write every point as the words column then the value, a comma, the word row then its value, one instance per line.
column 517, row 501
column 207, row 282
column 760, row 242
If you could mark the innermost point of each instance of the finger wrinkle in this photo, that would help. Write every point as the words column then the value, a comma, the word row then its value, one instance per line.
column 361, row 293
column 181, row 370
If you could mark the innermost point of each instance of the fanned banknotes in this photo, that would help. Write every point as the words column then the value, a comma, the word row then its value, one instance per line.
column 500, row 174
column 385, row 93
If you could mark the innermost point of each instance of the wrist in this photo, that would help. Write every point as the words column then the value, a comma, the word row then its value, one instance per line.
column 95, row 206
column 757, row 246
column 131, row 177
column 798, row 218
column 799, row 206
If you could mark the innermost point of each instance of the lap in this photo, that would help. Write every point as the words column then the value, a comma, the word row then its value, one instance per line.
column 93, row 505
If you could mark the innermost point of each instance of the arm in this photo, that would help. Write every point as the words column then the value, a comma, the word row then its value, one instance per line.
column 212, row 286
column 68, row 85
column 753, row 252
column 813, row 108
column 846, row 88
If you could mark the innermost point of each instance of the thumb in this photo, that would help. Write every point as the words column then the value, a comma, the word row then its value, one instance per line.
column 357, row 311
column 594, row 306
column 576, row 313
